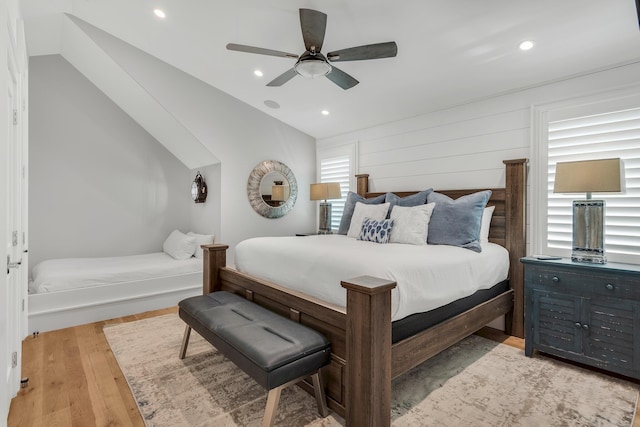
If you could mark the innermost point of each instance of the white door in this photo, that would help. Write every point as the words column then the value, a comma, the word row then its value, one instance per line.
column 10, row 297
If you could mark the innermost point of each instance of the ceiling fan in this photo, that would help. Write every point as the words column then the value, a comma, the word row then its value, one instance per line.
column 312, row 63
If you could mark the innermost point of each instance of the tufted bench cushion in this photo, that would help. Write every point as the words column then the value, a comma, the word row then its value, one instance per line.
column 271, row 349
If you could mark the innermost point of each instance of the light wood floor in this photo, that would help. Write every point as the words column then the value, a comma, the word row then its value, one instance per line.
column 74, row 379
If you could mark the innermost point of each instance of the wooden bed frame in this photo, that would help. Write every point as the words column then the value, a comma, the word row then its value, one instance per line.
column 363, row 360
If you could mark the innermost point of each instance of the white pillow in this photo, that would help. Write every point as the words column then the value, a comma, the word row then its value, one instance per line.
column 486, row 223
column 362, row 211
column 201, row 239
column 411, row 224
column 179, row 245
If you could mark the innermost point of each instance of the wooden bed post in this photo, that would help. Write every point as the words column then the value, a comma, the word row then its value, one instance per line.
column 214, row 257
column 515, row 206
column 362, row 184
column 368, row 352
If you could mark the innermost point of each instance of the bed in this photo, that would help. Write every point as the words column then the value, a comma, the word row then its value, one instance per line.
column 73, row 291
column 365, row 353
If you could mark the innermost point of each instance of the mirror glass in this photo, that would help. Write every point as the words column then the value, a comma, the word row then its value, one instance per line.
column 272, row 189
column 275, row 189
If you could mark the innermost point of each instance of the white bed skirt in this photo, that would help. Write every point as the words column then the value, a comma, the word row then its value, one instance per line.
column 62, row 309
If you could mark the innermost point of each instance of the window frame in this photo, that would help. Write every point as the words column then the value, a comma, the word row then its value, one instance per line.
column 608, row 101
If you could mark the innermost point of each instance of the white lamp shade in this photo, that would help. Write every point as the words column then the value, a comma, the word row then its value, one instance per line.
column 325, row 191
column 589, row 176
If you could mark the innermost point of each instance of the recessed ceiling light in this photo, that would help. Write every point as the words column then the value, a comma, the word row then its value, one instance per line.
column 325, row 112
column 258, row 73
column 159, row 13
column 272, row 104
column 526, row 45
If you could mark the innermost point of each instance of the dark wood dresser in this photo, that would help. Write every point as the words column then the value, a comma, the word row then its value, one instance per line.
column 588, row 313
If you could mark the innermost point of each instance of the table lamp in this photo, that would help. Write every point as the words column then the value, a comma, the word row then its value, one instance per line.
column 325, row 191
column 589, row 176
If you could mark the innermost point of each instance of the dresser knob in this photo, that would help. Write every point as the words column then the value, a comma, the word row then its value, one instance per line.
column 585, row 327
column 556, row 279
column 578, row 325
column 609, row 287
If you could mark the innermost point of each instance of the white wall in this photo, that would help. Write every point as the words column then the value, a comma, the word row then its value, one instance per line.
column 238, row 134
column 100, row 185
column 463, row 146
column 205, row 217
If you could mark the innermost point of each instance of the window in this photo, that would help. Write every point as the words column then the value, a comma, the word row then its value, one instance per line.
column 589, row 131
column 336, row 164
column 336, row 169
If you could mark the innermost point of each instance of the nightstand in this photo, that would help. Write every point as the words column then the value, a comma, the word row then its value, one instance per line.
column 588, row 313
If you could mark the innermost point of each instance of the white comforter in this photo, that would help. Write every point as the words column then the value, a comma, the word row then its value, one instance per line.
column 72, row 273
column 427, row 276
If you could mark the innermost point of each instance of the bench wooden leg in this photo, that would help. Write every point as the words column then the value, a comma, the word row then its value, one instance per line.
column 185, row 341
column 274, row 398
column 318, row 389
column 272, row 406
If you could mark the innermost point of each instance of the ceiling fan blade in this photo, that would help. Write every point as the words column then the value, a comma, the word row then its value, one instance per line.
column 261, row 51
column 370, row 51
column 283, row 78
column 342, row 79
column 313, row 24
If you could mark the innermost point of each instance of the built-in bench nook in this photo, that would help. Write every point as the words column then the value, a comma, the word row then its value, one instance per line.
column 273, row 350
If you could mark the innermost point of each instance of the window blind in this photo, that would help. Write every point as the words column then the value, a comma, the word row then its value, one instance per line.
column 336, row 169
column 599, row 136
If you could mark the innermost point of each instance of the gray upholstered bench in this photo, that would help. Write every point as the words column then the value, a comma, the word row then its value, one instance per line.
column 273, row 350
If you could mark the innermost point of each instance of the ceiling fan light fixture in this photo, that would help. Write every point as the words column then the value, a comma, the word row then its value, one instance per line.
column 312, row 67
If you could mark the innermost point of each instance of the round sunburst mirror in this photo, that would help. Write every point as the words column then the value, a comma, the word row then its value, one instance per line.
column 272, row 189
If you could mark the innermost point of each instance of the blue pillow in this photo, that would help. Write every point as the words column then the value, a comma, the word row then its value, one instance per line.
column 457, row 222
column 376, row 231
column 350, row 205
column 408, row 201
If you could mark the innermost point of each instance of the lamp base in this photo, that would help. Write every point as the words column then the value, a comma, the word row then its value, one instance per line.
column 325, row 218
column 588, row 232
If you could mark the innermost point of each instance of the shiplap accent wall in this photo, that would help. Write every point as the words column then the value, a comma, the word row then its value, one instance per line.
column 463, row 146
column 445, row 153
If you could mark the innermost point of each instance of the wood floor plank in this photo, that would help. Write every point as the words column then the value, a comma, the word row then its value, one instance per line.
column 55, row 376
column 77, row 387
column 106, row 399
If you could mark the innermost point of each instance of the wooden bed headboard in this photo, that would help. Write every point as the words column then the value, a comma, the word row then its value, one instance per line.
column 508, row 226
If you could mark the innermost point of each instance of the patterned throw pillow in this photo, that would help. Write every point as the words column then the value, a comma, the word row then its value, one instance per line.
column 376, row 231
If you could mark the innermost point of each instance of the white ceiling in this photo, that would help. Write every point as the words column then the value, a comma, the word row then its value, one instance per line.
column 450, row 52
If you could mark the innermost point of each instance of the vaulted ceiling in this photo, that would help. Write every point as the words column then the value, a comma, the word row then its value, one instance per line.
column 450, row 52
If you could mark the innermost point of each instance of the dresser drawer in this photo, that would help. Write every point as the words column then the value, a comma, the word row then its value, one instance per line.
column 584, row 284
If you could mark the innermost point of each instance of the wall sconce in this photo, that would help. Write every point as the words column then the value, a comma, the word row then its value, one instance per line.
column 199, row 189
column 589, row 176
column 325, row 191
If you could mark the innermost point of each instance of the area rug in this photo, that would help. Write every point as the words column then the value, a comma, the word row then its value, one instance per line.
column 477, row 382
